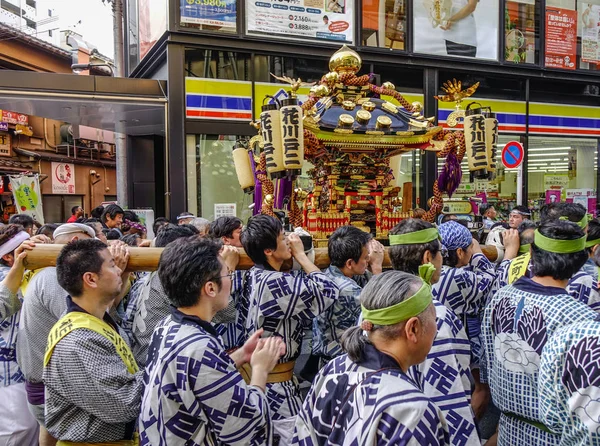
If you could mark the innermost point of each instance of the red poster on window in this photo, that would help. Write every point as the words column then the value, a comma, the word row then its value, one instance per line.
column 561, row 38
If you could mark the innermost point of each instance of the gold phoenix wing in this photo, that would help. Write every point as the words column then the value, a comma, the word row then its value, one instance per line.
column 454, row 91
column 295, row 83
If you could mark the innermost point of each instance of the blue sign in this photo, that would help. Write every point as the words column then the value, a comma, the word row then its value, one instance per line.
column 4, row 126
column 217, row 13
column 512, row 154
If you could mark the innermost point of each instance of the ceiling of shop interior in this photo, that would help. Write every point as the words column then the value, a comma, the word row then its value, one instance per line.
column 93, row 101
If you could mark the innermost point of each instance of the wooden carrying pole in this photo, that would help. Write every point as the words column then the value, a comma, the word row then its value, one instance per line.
column 146, row 259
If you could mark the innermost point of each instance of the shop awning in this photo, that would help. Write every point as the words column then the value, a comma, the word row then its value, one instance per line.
column 137, row 105
column 59, row 158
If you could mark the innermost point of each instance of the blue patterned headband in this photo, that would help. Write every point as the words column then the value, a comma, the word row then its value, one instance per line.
column 454, row 235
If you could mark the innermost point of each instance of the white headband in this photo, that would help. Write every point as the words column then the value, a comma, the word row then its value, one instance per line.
column 13, row 243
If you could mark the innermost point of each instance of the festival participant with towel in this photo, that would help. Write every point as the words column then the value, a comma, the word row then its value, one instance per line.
column 17, row 425
column 92, row 382
column 518, row 322
column 44, row 304
column 367, row 396
column 465, row 281
column 445, row 374
column 583, row 285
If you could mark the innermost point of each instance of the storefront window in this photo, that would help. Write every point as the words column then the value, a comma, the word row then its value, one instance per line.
column 522, row 19
column 211, row 178
column 563, row 169
column 213, row 64
column 309, row 70
column 384, row 24
column 152, row 23
column 209, row 15
column 572, row 34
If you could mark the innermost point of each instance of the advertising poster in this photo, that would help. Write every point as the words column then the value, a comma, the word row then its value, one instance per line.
column 585, row 197
column 438, row 28
column 5, row 145
column 220, row 13
column 28, row 199
column 590, row 32
column 558, row 181
column 63, row 178
column 328, row 20
column 552, row 196
column 561, row 38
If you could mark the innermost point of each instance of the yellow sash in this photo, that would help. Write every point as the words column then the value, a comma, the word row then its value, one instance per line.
column 27, row 279
column 75, row 320
column 518, row 267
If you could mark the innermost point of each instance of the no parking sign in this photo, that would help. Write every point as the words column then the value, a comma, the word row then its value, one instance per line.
column 512, row 154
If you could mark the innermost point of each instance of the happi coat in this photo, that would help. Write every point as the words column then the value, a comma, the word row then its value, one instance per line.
column 194, row 393
column 518, row 323
column 369, row 402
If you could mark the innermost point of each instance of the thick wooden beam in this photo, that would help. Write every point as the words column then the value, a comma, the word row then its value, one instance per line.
column 146, row 259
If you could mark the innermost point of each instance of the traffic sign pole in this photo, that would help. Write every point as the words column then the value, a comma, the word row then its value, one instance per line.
column 520, row 185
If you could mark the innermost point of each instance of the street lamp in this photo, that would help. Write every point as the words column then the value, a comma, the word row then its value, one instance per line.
column 79, row 67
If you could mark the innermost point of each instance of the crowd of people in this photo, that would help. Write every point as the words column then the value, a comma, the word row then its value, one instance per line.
column 444, row 348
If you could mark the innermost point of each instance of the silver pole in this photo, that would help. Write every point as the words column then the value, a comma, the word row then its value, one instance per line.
column 120, row 138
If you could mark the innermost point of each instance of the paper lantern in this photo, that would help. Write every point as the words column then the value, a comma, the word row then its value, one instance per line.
column 475, row 140
column 270, row 127
column 292, row 136
column 491, row 139
column 243, row 168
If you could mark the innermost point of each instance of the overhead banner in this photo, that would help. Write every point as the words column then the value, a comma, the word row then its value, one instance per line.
column 28, row 199
column 63, row 178
column 475, row 35
column 590, row 29
column 220, row 13
column 302, row 19
column 561, row 38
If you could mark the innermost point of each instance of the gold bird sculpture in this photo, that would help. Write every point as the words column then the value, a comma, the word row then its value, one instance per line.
column 295, row 83
column 454, row 91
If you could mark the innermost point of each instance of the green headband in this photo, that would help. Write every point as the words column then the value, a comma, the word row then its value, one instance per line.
column 414, row 238
column 559, row 246
column 524, row 248
column 592, row 243
column 581, row 223
column 402, row 311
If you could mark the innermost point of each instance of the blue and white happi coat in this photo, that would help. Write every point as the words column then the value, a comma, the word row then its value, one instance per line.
column 371, row 402
column 517, row 323
column 283, row 304
column 583, row 286
column 10, row 372
column 343, row 314
column 465, row 291
column 570, row 384
column 445, row 377
column 194, row 394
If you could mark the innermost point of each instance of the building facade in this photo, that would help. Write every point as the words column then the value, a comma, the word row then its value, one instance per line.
column 76, row 164
column 537, row 63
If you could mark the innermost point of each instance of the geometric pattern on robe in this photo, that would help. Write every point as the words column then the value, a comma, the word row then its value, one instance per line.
column 446, row 378
column 194, row 394
column 583, row 285
column 465, row 291
column 368, row 403
column 329, row 326
column 517, row 324
column 283, row 304
column 570, row 384
column 10, row 372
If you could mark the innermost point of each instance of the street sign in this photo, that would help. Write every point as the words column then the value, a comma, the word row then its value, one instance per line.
column 512, row 155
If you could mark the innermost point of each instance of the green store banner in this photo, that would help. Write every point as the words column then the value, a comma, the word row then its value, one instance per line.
column 28, row 199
